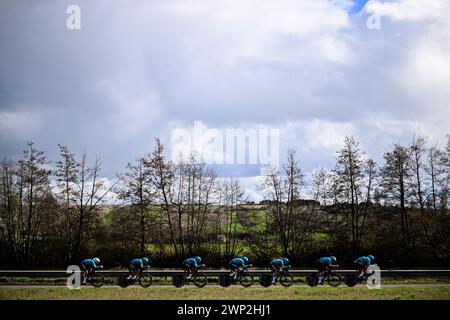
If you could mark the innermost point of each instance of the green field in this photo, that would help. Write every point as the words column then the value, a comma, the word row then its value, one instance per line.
column 411, row 292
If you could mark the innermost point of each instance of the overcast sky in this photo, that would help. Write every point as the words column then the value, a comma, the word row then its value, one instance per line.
column 139, row 69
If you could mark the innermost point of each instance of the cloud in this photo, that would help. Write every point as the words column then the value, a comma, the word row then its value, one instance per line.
column 18, row 125
column 131, row 114
column 409, row 10
column 309, row 68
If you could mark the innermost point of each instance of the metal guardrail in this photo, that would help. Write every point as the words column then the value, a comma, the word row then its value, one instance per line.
column 218, row 272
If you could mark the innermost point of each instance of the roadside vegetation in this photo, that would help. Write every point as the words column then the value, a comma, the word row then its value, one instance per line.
column 232, row 293
column 53, row 214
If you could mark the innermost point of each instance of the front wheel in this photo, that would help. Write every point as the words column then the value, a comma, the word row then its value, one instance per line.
column 334, row 279
column 97, row 280
column 286, row 280
column 145, row 280
column 246, row 280
column 312, row 280
column 200, row 280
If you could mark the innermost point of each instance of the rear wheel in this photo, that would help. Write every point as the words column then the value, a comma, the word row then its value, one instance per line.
column 97, row 280
column 334, row 279
column 224, row 280
column 145, row 280
column 200, row 280
column 286, row 280
column 312, row 280
column 178, row 280
column 122, row 281
column 246, row 280
column 351, row 280
column 265, row 280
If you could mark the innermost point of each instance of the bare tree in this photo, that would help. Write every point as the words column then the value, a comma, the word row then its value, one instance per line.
column 137, row 193
column 396, row 177
column 88, row 195
column 418, row 152
column 322, row 184
column 9, row 224
column 32, row 185
column 161, row 174
column 446, row 191
column 66, row 174
column 290, row 219
column 231, row 197
column 353, row 186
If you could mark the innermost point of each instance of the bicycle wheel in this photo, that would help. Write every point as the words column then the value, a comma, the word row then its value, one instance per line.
column 225, row 280
column 122, row 281
column 286, row 280
column 200, row 280
column 334, row 279
column 265, row 280
column 145, row 280
column 351, row 280
column 246, row 280
column 178, row 280
column 312, row 280
column 97, row 280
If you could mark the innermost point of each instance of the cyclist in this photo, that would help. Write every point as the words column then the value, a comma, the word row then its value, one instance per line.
column 362, row 263
column 237, row 264
column 136, row 266
column 276, row 266
column 323, row 266
column 191, row 265
column 88, row 267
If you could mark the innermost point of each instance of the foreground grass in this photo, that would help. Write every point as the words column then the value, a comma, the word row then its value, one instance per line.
column 161, row 281
column 215, row 293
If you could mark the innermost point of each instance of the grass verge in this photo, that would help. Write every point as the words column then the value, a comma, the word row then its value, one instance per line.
column 231, row 293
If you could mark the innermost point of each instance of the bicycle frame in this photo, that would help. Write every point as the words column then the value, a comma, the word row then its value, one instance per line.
column 281, row 273
column 240, row 273
column 194, row 272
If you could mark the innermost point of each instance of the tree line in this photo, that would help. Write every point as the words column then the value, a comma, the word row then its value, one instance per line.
column 56, row 214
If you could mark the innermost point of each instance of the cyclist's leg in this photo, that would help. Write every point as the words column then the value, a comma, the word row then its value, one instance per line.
column 139, row 272
column 135, row 272
column 83, row 273
column 130, row 271
column 234, row 271
column 322, row 270
column 359, row 269
column 364, row 271
column 89, row 273
column 274, row 273
column 319, row 270
column 188, row 271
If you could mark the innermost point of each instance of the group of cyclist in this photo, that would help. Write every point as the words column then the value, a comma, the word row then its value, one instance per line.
column 89, row 266
column 238, row 264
